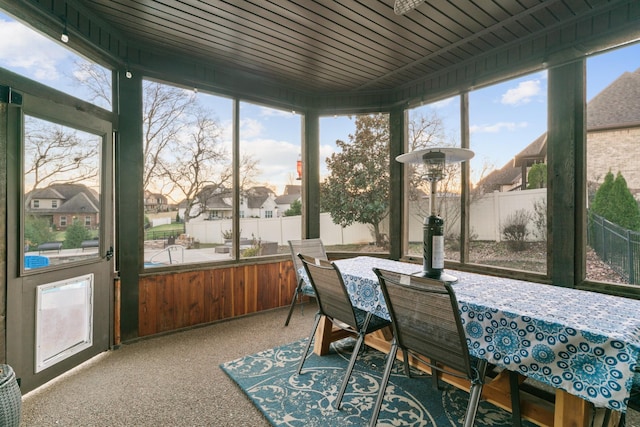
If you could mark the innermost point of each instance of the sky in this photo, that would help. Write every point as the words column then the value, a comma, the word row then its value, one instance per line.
column 504, row 118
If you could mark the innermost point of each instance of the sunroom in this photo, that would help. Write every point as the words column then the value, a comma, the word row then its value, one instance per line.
column 158, row 178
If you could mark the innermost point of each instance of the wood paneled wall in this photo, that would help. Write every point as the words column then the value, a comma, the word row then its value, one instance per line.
column 177, row 300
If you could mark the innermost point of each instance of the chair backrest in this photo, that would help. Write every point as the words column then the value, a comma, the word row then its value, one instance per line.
column 425, row 319
column 331, row 293
column 311, row 247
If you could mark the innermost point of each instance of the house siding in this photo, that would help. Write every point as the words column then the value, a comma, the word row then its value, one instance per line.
column 620, row 148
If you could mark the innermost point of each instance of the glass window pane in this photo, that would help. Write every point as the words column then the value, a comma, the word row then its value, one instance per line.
column 187, row 178
column 434, row 125
column 508, row 124
column 354, row 187
column 613, row 169
column 52, row 63
column 62, row 194
column 271, row 194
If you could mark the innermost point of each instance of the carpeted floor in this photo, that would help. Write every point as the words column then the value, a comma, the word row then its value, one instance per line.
column 270, row 380
column 171, row 380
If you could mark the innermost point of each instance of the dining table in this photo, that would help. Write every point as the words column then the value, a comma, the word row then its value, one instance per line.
column 585, row 345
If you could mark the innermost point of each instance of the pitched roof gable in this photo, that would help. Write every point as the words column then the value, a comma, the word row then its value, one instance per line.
column 80, row 203
column 618, row 105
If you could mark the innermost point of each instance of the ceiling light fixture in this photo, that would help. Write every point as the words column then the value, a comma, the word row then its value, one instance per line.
column 64, row 38
column 400, row 7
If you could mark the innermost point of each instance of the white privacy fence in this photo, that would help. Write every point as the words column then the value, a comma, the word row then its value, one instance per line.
column 279, row 230
column 487, row 216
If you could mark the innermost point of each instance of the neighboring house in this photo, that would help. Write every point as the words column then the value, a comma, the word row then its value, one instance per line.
column 513, row 175
column 613, row 125
column 155, row 202
column 258, row 202
column 613, row 133
column 291, row 194
column 62, row 204
column 215, row 202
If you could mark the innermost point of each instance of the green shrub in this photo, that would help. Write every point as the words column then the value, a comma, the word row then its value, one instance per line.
column 37, row 230
column 75, row 234
column 614, row 202
column 537, row 177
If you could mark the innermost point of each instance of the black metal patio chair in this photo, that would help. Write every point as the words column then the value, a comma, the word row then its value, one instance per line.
column 334, row 303
column 426, row 324
column 313, row 248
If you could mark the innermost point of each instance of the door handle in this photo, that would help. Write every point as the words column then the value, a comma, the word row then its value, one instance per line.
column 109, row 253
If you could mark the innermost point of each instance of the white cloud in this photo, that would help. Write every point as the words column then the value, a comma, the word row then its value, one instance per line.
column 497, row 127
column 272, row 112
column 277, row 160
column 24, row 50
column 250, row 128
column 522, row 94
column 444, row 103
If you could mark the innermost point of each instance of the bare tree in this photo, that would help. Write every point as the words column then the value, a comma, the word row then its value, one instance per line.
column 57, row 154
column 194, row 162
column 182, row 145
column 166, row 111
column 96, row 80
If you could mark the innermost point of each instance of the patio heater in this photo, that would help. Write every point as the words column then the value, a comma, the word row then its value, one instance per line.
column 434, row 160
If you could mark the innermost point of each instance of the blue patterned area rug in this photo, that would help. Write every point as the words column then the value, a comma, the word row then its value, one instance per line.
column 270, row 380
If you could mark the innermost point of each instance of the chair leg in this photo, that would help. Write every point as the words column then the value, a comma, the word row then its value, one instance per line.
column 434, row 375
column 405, row 357
column 306, row 350
column 514, row 385
column 391, row 357
column 352, row 363
column 293, row 304
column 474, row 395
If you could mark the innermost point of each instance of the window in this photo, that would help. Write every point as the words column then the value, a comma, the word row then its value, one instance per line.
column 193, row 141
column 63, row 161
column 508, row 124
column 434, row 125
column 87, row 221
column 270, row 142
column 55, row 65
column 54, row 204
column 354, row 159
column 613, row 171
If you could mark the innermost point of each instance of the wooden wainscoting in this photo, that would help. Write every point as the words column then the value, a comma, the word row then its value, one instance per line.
column 177, row 300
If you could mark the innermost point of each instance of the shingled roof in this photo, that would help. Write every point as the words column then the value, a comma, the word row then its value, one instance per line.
column 618, row 105
column 80, row 203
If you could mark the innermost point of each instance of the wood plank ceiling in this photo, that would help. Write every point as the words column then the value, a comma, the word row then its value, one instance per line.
column 336, row 45
column 308, row 50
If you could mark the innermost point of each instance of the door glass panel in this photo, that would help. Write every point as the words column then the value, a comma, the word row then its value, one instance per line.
column 61, row 216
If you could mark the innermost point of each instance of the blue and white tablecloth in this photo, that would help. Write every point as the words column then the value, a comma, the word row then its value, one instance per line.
column 585, row 343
